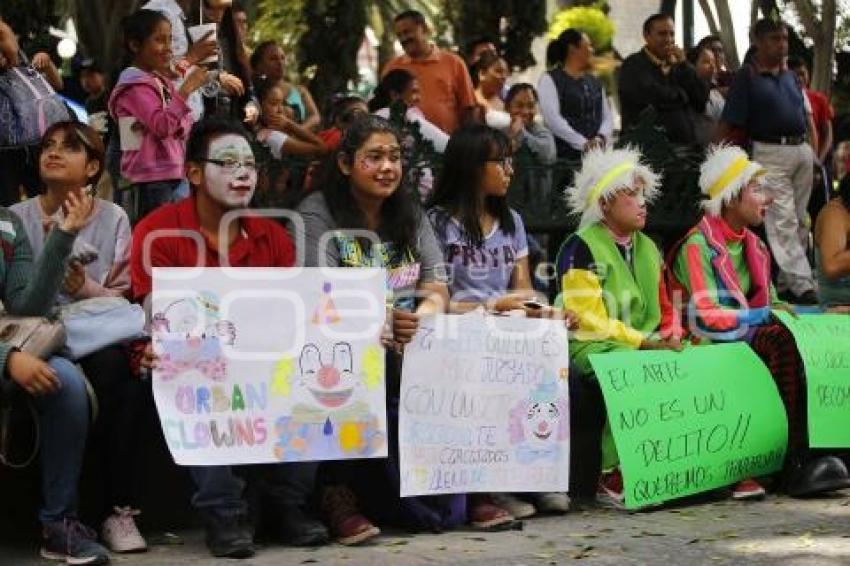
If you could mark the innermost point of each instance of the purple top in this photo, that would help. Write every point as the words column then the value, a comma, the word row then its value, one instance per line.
column 477, row 274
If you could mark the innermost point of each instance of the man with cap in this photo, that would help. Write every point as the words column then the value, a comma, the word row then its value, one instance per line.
column 720, row 272
column 610, row 275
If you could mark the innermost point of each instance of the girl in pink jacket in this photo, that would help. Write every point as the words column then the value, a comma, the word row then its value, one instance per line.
column 152, row 114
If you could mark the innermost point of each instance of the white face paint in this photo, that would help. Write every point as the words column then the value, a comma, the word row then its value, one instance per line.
column 231, row 185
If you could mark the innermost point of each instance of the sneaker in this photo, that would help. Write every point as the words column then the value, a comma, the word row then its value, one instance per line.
column 348, row 526
column 553, row 502
column 486, row 515
column 120, row 533
column 610, row 491
column 748, row 489
column 228, row 535
column 73, row 542
column 298, row 529
column 519, row 508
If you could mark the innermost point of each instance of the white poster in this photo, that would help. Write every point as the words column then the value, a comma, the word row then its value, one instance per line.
column 269, row 364
column 484, row 406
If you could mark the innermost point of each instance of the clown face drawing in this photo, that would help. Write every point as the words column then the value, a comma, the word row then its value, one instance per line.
column 330, row 385
column 331, row 416
column 188, row 338
column 538, row 424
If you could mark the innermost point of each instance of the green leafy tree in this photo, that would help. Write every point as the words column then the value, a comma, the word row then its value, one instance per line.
column 512, row 23
column 590, row 20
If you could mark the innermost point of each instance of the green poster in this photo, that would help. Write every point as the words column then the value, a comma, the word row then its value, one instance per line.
column 687, row 422
column 824, row 344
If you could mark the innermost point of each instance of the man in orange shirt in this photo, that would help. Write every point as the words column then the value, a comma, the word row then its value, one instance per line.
column 443, row 79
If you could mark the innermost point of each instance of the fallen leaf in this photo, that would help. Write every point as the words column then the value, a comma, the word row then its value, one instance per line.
column 477, row 539
column 397, row 543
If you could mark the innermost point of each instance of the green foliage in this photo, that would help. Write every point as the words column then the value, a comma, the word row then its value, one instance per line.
column 512, row 23
column 327, row 52
column 30, row 19
column 591, row 21
column 283, row 22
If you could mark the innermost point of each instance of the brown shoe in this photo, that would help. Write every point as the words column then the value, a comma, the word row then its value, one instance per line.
column 486, row 515
column 347, row 525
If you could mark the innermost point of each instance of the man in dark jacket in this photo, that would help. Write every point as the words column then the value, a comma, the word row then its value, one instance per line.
column 659, row 76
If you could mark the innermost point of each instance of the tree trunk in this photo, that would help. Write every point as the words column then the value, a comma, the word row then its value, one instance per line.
column 668, row 7
column 98, row 25
column 709, row 17
column 822, row 32
column 727, row 33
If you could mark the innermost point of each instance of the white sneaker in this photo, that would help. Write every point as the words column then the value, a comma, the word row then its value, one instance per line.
column 553, row 502
column 120, row 532
column 517, row 507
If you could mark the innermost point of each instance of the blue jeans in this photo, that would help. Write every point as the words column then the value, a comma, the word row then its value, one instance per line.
column 64, row 422
column 144, row 198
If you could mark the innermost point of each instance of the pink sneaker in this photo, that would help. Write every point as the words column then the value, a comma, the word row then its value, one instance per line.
column 120, row 532
column 610, row 490
column 748, row 489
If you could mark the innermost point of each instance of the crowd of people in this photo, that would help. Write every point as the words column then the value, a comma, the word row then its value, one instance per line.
column 179, row 142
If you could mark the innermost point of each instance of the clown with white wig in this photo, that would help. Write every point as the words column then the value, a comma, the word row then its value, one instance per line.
column 610, row 275
column 721, row 273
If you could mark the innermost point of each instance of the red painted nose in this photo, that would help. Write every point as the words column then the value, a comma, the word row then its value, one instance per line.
column 328, row 377
column 542, row 426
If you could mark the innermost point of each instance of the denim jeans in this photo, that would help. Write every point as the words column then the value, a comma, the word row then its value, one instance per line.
column 220, row 488
column 146, row 197
column 63, row 421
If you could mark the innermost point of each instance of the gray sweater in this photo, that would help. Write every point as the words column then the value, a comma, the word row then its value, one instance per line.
column 29, row 288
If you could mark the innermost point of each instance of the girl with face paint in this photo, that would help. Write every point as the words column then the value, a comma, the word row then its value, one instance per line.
column 361, row 189
column 611, row 275
column 721, row 270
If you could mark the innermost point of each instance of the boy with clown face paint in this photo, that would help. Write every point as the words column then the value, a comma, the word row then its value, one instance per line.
column 221, row 169
column 721, row 273
column 610, row 275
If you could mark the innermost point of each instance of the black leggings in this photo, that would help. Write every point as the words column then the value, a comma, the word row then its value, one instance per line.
column 114, row 438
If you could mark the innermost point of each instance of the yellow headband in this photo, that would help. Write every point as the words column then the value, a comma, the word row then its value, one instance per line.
column 597, row 189
column 735, row 169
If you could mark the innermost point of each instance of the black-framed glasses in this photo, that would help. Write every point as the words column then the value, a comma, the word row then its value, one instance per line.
column 232, row 165
column 505, row 162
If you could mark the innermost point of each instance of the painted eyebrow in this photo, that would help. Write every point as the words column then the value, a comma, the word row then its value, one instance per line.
column 231, row 151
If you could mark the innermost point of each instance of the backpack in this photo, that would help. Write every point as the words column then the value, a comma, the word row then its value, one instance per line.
column 28, row 106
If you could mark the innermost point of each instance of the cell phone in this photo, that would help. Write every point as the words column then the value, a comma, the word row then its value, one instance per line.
column 533, row 305
column 86, row 257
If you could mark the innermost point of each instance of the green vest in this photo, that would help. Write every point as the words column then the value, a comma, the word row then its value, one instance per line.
column 632, row 298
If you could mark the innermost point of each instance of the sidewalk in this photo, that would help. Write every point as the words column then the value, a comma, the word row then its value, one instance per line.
column 779, row 529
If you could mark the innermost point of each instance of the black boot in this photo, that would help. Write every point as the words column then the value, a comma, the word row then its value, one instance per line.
column 299, row 529
column 228, row 535
column 806, row 476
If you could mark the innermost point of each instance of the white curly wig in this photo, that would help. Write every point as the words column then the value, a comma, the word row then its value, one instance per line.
column 604, row 172
column 725, row 171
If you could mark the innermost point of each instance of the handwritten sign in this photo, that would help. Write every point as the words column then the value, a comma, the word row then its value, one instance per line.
column 691, row 421
column 269, row 365
column 824, row 344
column 484, row 406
